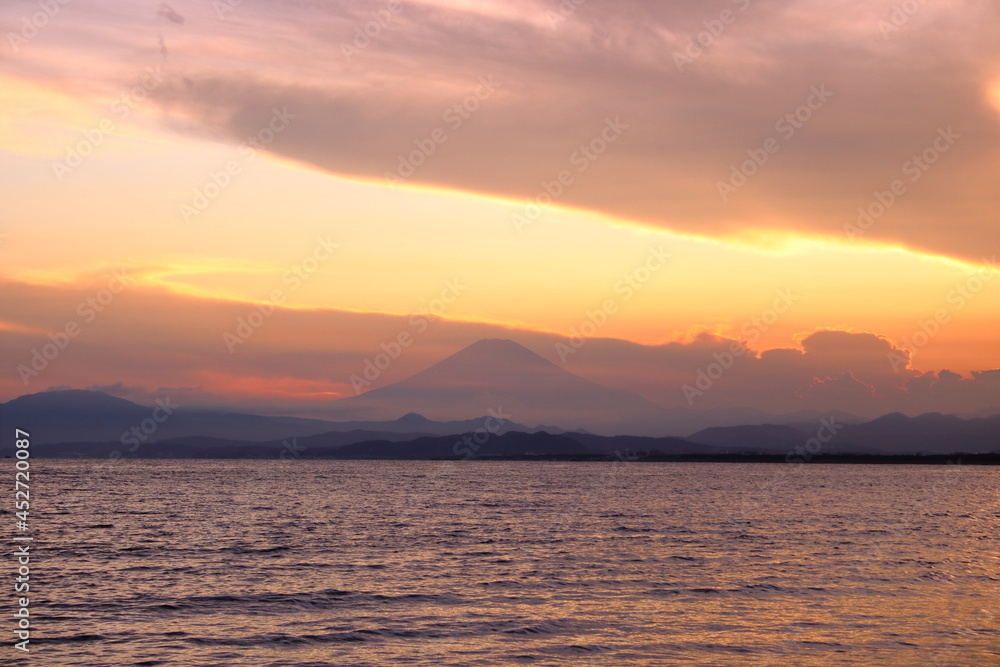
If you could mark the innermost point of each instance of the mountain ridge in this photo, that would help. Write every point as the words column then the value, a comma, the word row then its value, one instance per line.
column 500, row 374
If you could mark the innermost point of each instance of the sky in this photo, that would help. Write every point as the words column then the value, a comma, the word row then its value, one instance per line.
column 741, row 203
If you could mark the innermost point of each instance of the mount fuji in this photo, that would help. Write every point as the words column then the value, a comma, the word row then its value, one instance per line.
column 497, row 376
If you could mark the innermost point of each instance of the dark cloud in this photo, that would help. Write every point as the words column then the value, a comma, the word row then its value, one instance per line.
column 837, row 390
column 170, row 14
column 893, row 97
column 362, row 101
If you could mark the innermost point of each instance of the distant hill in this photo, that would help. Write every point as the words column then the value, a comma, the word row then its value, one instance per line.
column 416, row 423
column 81, row 416
column 495, row 374
column 77, row 415
column 207, row 447
column 931, row 433
column 77, row 423
column 463, row 446
column 375, row 445
column 756, row 437
column 457, row 447
column 895, row 433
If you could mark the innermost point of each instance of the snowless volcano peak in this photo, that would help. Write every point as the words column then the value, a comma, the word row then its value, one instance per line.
column 496, row 373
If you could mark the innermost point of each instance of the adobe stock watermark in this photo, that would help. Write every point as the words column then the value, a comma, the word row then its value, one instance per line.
column 957, row 297
column 899, row 16
column 218, row 181
column 623, row 463
column 751, row 330
column 704, row 40
column 455, row 116
column 581, row 159
column 824, row 435
column 145, row 429
column 470, row 443
column 365, row 34
column 905, row 521
column 392, row 349
column 296, row 275
column 562, row 12
column 291, row 450
column 594, row 320
column 795, row 458
column 121, row 108
column 786, row 127
column 88, row 310
column 915, row 167
column 31, row 26
column 223, row 7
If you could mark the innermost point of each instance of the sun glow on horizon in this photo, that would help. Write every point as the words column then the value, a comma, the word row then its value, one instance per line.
column 453, row 235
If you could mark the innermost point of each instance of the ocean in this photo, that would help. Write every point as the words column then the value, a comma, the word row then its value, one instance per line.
column 351, row 563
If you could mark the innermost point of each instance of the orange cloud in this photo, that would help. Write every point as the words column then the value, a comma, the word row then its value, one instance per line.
column 147, row 342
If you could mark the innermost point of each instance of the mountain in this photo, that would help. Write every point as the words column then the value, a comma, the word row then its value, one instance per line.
column 465, row 446
column 455, row 446
column 684, row 422
column 197, row 446
column 756, row 437
column 82, row 416
column 501, row 377
column 930, row 433
column 92, row 424
column 77, row 415
column 890, row 438
column 416, row 423
column 894, row 433
column 375, row 445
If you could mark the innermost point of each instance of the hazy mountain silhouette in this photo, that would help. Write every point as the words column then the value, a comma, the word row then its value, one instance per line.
column 77, row 415
column 88, row 423
column 375, row 445
column 894, row 433
column 82, row 416
column 756, row 437
column 455, row 446
column 507, row 378
column 417, row 423
column 685, row 422
column 932, row 433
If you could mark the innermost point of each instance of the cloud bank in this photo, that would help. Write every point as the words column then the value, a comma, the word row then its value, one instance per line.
column 743, row 118
column 143, row 345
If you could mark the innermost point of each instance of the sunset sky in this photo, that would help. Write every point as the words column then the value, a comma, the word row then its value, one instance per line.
column 817, row 180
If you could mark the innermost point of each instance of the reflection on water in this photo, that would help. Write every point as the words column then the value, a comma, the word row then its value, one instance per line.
column 487, row 563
